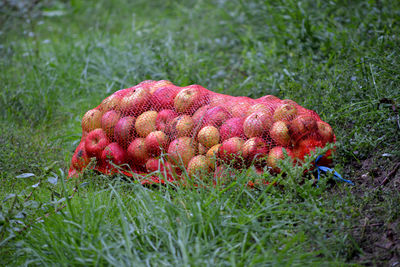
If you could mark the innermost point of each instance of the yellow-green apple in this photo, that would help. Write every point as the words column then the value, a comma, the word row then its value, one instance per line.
column 325, row 132
column 259, row 107
column 91, row 120
column 108, row 122
column 146, row 123
column 137, row 151
column 95, row 142
column 239, row 109
column 280, row 133
column 275, row 155
column 180, row 126
column 232, row 127
column 163, row 97
column 158, row 84
column 257, row 124
column 198, row 166
column 212, row 155
column 124, row 131
column 80, row 159
column 136, row 100
column 111, row 102
column 113, row 153
column 164, row 117
column 181, row 150
column 190, row 98
column 156, row 142
column 301, row 126
column 255, row 151
column 147, row 82
column 230, row 151
column 216, row 116
column 285, row 112
column 208, row 136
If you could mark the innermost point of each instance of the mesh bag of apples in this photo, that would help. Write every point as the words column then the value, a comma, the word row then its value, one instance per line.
column 189, row 131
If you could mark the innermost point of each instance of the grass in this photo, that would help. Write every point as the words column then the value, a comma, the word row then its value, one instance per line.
column 60, row 58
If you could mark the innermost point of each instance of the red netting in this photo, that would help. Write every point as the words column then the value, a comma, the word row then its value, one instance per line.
column 158, row 126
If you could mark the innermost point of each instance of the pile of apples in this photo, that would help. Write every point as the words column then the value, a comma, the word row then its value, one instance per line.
column 158, row 126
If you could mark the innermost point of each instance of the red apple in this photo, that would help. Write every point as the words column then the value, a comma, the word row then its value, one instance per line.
column 212, row 155
column 137, row 151
column 180, row 126
column 325, row 132
column 223, row 174
column 111, row 102
column 136, row 100
column 289, row 101
column 216, row 116
column 124, row 131
column 275, row 155
column 245, row 99
column 285, row 112
column 257, row 124
column 95, row 142
column 208, row 136
column 164, row 167
column 153, row 165
column 231, row 151
column 108, row 122
column 218, row 99
column 305, row 146
column 198, row 166
column 255, row 150
column 198, row 116
column 190, row 98
column 268, row 99
column 91, row 120
column 156, row 142
column 164, row 117
column 73, row 173
column 163, row 97
column 113, row 153
column 146, row 123
column 181, row 150
column 280, row 133
column 301, row 126
column 232, row 127
column 158, row 84
column 80, row 159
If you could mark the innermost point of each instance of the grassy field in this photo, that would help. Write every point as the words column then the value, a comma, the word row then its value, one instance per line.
column 60, row 58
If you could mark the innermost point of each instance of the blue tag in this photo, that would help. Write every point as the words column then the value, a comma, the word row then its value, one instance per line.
column 336, row 175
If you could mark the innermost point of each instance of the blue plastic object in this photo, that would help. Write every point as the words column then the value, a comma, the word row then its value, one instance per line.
column 325, row 169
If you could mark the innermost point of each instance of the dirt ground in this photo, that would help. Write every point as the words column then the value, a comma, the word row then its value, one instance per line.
column 378, row 232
